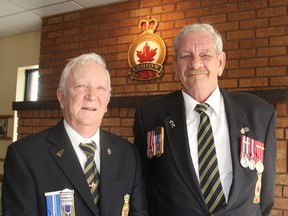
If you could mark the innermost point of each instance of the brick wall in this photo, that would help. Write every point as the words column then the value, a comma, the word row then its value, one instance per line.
column 256, row 44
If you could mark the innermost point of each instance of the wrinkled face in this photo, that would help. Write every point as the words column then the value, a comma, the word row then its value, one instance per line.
column 87, row 96
column 197, row 64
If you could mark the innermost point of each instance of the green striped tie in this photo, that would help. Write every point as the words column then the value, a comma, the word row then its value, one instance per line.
column 90, row 171
column 208, row 166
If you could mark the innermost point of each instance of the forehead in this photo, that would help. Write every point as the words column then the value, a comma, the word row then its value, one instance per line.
column 89, row 69
column 200, row 40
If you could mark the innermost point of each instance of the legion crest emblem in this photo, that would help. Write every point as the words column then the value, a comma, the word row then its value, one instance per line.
column 147, row 52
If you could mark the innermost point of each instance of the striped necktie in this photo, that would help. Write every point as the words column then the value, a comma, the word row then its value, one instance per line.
column 90, row 171
column 208, row 166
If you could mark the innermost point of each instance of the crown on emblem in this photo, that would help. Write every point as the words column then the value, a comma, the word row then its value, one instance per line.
column 148, row 25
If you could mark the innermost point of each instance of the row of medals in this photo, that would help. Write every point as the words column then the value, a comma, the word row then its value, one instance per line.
column 245, row 162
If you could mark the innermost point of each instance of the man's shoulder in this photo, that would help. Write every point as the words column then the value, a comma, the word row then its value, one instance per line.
column 247, row 100
column 34, row 140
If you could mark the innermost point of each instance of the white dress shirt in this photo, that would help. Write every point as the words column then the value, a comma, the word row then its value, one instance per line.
column 217, row 115
column 76, row 139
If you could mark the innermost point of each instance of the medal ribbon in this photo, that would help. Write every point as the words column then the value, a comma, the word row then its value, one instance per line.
column 260, row 151
column 252, row 149
column 244, row 146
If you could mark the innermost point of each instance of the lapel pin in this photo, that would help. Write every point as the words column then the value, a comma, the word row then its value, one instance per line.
column 109, row 152
column 172, row 124
column 60, row 153
column 245, row 130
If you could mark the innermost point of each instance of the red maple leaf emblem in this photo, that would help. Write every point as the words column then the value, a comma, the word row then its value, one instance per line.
column 146, row 55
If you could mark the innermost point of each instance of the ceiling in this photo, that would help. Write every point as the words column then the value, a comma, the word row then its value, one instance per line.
column 19, row 16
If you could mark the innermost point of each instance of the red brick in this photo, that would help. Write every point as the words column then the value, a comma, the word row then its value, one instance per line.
column 111, row 122
column 281, row 164
column 278, row 41
column 271, row 12
column 285, row 191
column 281, row 203
column 243, row 34
column 249, row 5
column 147, row 87
column 253, row 82
column 254, row 62
column 241, row 73
column 271, row 51
column 184, row 5
column 254, row 43
column 228, row 83
column 279, row 60
column 254, row 23
column 243, row 53
column 271, row 71
column 278, row 191
column 282, row 109
column 271, row 31
column 241, row 15
column 282, row 122
column 219, row 18
column 279, row 20
column 203, row 11
column 279, row 81
column 163, row 8
column 224, row 8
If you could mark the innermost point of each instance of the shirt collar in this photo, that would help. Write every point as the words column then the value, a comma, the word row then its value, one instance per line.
column 76, row 138
column 213, row 101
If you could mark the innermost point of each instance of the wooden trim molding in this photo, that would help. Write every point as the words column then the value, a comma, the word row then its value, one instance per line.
column 271, row 96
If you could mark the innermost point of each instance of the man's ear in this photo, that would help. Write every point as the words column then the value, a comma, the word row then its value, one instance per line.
column 60, row 97
column 221, row 63
column 175, row 66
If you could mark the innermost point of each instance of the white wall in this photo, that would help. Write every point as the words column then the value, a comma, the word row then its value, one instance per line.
column 15, row 51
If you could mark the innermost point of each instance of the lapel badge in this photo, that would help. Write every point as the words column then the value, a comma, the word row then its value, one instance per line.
column 125, row 207
column 172, row 124
column 109, row 152
column 155, row 142
column 244, row 130
column 60, row 153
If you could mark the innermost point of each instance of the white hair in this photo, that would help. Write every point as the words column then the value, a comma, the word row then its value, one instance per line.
column 74, row 62
column 199, row 27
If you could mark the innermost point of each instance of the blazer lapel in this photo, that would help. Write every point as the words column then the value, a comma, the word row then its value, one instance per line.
column 179, row 144
column 109, row 161
column 65, row 156
column 235, row 124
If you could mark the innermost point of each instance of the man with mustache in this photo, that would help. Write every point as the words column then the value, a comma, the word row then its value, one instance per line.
column 206, row 151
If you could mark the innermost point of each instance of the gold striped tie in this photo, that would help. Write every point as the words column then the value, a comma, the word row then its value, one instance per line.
column 90, row 171
column 208, row 166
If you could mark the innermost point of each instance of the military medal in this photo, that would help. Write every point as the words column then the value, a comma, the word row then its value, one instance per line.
column 60, row 203
column 155, row 142
column 125, row 207
column 67, row 202
column 252, row 157
column 244, row 161
column 150, row 147
column 259, row 167
column 53, row 203
column 259, row 151
column 244, row 154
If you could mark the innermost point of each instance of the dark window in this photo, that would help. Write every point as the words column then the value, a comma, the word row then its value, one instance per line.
column 31, row 85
